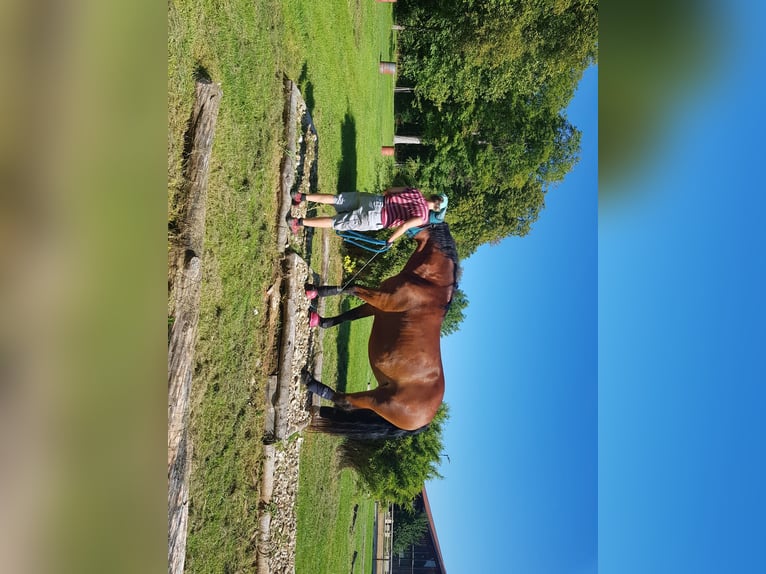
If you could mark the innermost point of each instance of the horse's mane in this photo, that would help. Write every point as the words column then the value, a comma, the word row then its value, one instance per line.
column 442, row 238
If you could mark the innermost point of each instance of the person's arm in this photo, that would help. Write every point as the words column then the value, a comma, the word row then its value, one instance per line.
column 409, row 224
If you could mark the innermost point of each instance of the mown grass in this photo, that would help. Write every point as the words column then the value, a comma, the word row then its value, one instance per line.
column 327, row 493
column 332, row 50
column 232, row 44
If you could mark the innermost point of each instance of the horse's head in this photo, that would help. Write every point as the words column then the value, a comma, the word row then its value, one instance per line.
column 422, row 236
column 436, row 254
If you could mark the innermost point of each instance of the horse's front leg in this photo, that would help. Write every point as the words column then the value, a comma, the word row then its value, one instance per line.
column 394, row 295
column 315, row 320
column 392, row 298
column 314, row 291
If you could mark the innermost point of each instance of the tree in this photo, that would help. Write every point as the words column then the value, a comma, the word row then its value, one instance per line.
column 491, row 81
column 467, row 51
column 395, row 470
column 455, row 315
column 409, row 527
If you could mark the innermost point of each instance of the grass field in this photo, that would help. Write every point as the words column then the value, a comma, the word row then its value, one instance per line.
column 331, row 49
column 327, row 495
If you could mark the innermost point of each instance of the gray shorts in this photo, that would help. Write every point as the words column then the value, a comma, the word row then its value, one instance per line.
column 358, row 211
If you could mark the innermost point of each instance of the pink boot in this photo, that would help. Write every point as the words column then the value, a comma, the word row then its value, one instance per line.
column 294, row 224
column 314, row 319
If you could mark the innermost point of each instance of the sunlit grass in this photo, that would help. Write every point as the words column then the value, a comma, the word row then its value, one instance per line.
column 331, row 49
column 327, row 494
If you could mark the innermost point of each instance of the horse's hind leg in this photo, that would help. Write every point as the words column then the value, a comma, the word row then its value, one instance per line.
column 322, row 390
column 315, row 320
column 382, row 401
column 377, row 400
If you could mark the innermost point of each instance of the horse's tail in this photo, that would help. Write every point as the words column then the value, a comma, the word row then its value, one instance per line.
column 358, row 424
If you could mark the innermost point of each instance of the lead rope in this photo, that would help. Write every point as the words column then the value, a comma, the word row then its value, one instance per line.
column 362, row 269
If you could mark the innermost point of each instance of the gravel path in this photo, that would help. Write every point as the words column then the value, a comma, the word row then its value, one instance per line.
column 300, row 348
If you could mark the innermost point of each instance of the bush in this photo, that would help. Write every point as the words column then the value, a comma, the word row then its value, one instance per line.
column 395, row 470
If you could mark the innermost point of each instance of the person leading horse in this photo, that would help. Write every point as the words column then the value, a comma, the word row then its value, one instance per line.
column 404, row 346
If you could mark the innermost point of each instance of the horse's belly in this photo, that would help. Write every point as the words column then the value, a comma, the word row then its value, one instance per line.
column 404, row 353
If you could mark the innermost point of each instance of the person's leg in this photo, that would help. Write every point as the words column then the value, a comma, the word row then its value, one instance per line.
column 317, row 221
column 326, row 198
column 351, row 212
column 295, row 223
column 365, row 217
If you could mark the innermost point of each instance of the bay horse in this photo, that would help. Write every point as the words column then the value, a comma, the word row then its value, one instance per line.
column 404, row 346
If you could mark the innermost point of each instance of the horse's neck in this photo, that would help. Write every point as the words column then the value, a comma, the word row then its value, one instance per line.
column 435, row 268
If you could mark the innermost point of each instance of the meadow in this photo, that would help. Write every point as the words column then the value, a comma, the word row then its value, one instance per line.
column 332, row 52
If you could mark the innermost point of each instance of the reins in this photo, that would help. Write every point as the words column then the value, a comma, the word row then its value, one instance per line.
column 360, row 270
column 377, row 246
column 364, row 241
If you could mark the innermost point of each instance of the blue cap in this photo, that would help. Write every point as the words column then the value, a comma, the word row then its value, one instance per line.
column 439, row 215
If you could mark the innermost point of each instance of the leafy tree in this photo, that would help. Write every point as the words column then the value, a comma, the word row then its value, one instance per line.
column 467, row 50
column 491, row 81
column 495, row 161
column 455, row 315
column 409, row 528
column 395, row 470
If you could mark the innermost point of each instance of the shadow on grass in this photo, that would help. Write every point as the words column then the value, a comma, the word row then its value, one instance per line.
column 347, row 175
column 307, row 89
column 202, row 75
column 347, row 172
column 342, row 342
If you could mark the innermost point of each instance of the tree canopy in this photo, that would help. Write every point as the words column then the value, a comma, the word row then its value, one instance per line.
column 395, row 470
column 409, row 527
column 491, row 82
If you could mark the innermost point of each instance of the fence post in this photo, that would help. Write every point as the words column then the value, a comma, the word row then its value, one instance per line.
column 387, row 67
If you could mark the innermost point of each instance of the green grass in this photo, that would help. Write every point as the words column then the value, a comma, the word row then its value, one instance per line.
column 331, row 49
column 326, row 494
column 326, row 540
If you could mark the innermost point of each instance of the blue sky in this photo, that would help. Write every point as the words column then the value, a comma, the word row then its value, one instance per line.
column 607, row 387
column 520, row 490
column 682, row 327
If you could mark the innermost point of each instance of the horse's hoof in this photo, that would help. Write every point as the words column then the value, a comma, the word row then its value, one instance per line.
column 269, row 438
column 314, row 319
column 306, row 377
